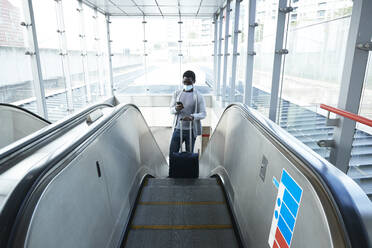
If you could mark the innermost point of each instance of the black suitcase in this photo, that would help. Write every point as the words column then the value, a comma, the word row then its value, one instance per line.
column 184, row 164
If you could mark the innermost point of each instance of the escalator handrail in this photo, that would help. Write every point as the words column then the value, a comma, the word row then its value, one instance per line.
column 25, row 110
column 22, row 144
column 18, row 201
column 350, row 199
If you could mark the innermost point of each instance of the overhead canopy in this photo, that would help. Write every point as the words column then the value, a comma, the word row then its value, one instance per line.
column 192, row 8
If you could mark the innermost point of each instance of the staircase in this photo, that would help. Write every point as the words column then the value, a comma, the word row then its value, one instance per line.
column 309, row 127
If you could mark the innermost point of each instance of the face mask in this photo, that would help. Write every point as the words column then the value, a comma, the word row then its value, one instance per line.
column 188, row 87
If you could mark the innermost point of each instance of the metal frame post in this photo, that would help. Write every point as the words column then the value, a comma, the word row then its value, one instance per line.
column 101, row 80
column 109, row 54
column 227, row 24
column 235, row 50
column 145, row 54
column 63, row 53
column 180, row 54
column 283, row 10
column 250, row 53
column 354, row 71
column 84, row 53
column 218, row 90
column 35, row 58
column 215, row 47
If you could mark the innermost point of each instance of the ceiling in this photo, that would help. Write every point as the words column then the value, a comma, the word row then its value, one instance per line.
column 192, row 8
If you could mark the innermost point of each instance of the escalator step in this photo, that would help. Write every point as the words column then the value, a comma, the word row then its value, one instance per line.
column 159, row 203
column 181, row 213
column 181, row 227
column 217, row 238
column 181, row 182
column 182, row 194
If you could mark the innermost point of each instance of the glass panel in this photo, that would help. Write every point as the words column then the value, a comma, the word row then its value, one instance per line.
column 197, row 48
column 222, row 49
column 215, row 75
column 163, row 65
column 316, row 42
column 50, row 58
column 242, row 50
column 230, row 50
column 365, row 109
column 162, row 47
column 103, row 68
column 90, row 36
column 207, row 49
column 266, row 17
column 16, row 81
column 72, row 23
column 127, row 48
column 361, row 155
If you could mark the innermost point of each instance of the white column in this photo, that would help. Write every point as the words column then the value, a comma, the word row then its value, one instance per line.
column 215, row 47
column 180, row 53
column 109, row 54
column 218, row 87
column 280, row 51
column 226, row 54
column 235, row 50
column 145, row 54
column 250, row 53
column 34, row 55
column 358, row 48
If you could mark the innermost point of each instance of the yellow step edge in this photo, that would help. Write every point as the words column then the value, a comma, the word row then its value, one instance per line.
column 181, row 203
column 180, row 227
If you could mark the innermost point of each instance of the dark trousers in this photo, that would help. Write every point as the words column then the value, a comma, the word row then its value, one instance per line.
column 175, row 142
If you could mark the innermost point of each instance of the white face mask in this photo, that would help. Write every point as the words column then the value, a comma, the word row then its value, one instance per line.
column 188, row 87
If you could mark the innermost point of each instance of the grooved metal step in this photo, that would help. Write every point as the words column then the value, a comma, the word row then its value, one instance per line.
column 181, row 213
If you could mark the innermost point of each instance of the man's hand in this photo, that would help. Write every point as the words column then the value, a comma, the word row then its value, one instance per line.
column 179, row 107
column 188, row 118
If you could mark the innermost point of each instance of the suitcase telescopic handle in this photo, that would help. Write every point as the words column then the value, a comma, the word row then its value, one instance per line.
column 190, row 129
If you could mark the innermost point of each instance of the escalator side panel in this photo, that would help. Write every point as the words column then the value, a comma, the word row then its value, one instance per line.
column 86, row 201
column 253, row 198
column 74, row 210
column 17, row 123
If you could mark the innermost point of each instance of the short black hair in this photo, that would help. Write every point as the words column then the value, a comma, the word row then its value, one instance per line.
column 189, row 74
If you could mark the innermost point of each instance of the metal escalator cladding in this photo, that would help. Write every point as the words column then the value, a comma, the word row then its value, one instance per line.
column 42, row 137
column 181, row 213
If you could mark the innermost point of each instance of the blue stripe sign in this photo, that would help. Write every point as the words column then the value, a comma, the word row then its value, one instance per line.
column 286, row 209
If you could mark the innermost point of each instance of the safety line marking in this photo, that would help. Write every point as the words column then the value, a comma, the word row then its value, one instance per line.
column 182, row 203
column 180, row 227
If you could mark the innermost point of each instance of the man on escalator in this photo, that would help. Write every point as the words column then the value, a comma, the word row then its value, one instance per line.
column 189, row 105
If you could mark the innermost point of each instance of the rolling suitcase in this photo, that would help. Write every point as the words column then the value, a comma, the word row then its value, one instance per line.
column 184, row 164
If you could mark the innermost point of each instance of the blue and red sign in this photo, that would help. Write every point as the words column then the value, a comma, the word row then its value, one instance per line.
column 286, row 211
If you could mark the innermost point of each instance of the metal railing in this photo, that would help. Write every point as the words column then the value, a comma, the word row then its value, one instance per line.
column 347, row 114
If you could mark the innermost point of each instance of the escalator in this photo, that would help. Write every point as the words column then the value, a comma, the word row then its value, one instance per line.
column 182, row 213
column 105, row 185
column 17, row 123
column 30, row 131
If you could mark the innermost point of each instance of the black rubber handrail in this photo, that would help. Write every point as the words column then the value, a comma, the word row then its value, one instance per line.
column 349, row 198
column 46, row 133
column 18, row 201
column 25, row 110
